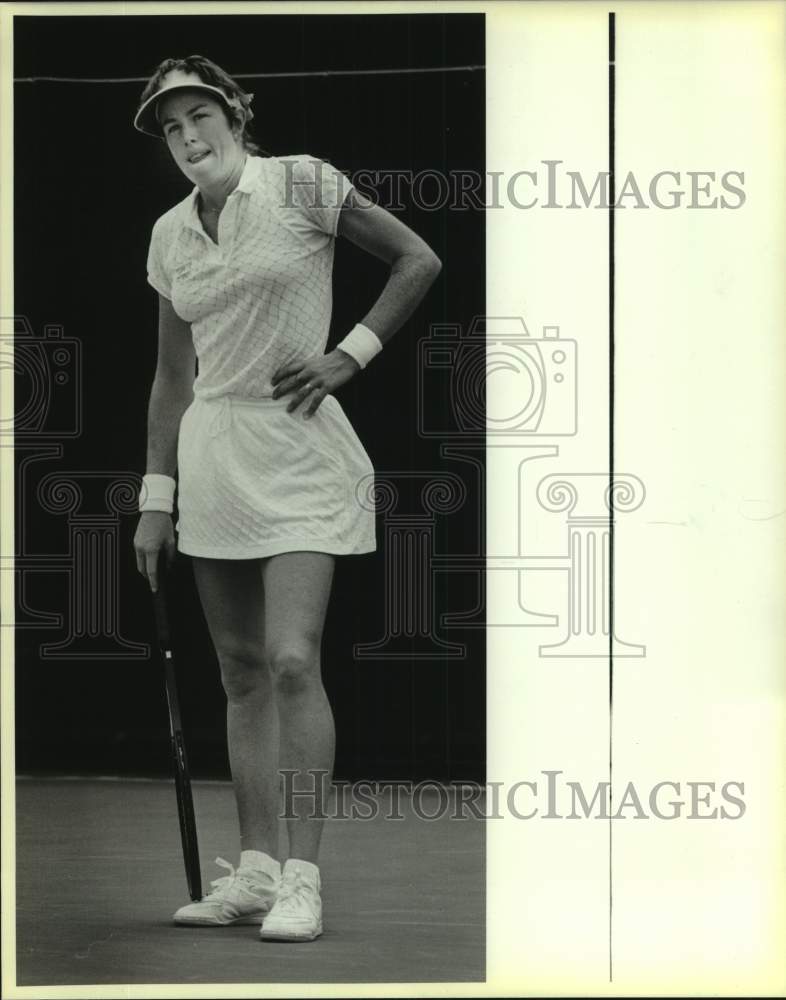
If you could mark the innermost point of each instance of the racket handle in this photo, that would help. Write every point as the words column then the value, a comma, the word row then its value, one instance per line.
column 160, row 605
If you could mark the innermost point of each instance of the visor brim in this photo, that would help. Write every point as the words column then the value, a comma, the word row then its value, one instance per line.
column 145, row 119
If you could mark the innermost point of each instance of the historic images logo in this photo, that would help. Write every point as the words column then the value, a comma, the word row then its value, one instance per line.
column 475, row 425
column 85, row 507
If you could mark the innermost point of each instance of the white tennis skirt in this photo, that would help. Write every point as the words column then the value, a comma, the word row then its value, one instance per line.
column 255, row 481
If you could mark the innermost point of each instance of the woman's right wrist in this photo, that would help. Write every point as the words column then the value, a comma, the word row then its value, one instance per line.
column 157, row 493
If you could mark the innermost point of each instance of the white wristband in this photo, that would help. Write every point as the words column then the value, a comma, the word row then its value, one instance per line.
column 361, row 344
column 157, row 493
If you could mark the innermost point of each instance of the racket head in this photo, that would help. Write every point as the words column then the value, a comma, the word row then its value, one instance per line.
column 185, row 802
column 187, row 818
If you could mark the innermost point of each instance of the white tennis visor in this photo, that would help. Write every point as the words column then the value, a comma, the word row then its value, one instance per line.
column 146, row 119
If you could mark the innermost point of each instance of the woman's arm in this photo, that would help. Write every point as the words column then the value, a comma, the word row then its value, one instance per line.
column 413, row 264
column 171, row 393
column 172, row 389
column 413, row 269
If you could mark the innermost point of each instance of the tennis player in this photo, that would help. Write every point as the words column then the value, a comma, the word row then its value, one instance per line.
column 270, row 470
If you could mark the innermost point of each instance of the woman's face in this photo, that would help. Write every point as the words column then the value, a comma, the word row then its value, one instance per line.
column 198, row 135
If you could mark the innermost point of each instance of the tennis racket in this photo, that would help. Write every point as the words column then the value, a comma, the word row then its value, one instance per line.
column 185, row 802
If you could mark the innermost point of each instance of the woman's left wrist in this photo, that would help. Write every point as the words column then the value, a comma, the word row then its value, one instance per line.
column 361, row 344
column 346, row 358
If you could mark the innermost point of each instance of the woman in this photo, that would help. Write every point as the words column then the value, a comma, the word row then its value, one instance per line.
column 266, row 500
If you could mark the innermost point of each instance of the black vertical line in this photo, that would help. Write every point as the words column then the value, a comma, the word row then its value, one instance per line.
column 612, row 199
column 446, row 672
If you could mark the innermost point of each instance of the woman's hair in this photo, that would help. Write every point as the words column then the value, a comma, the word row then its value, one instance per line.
column 211, row 74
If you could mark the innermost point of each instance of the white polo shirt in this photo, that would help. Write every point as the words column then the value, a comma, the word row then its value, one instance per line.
column 262, row 296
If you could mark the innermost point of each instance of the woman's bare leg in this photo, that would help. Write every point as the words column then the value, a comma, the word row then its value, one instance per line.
column 297, row 591
column 232, row 595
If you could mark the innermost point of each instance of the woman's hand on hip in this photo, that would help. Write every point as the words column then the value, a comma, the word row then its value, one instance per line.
column 311, row 380
column 154, row 532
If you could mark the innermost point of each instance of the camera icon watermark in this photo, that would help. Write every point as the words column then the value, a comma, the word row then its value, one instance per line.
column 47, row 380
column 493, row 393
column 497, row 379
column 42, row 374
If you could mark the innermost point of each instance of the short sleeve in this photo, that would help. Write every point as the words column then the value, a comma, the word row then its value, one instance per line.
column 317, row 189
column 156, row 273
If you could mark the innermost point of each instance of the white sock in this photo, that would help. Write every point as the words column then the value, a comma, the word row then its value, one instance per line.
column 309, row 870
column 261, row 862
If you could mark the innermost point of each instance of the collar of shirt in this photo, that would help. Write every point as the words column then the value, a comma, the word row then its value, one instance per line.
column 251, row 171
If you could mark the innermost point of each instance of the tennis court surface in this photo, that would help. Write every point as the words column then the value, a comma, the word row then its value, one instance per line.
column 100, row 873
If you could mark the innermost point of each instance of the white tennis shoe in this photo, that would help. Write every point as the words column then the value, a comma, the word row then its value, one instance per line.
column 242, row 897
column 297, row 913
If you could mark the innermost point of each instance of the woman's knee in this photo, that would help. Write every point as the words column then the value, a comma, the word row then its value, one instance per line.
column 244, row 670
column 294, row 668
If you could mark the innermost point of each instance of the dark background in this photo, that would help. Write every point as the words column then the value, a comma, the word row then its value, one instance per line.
column 88, row 188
